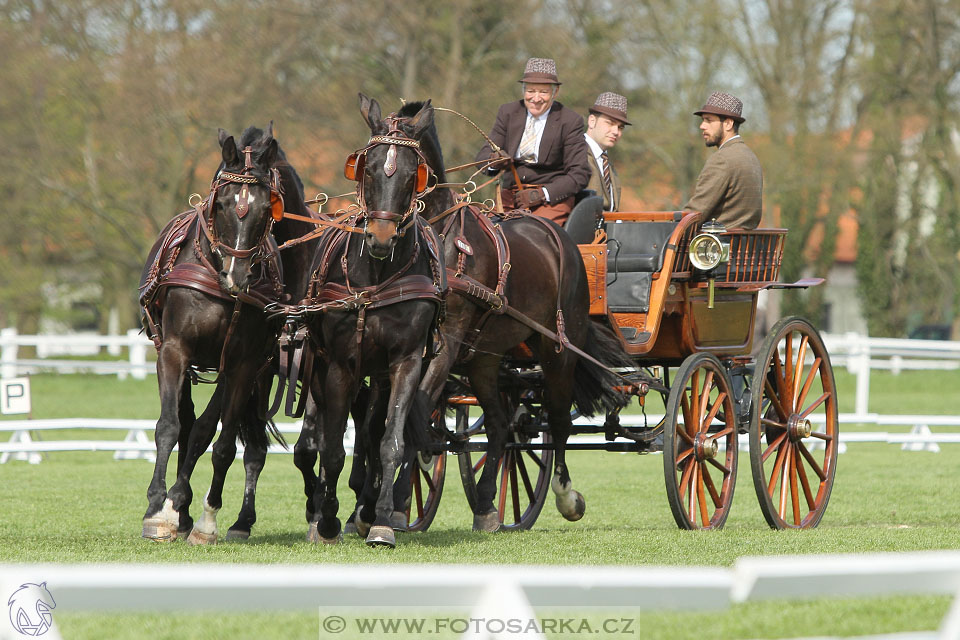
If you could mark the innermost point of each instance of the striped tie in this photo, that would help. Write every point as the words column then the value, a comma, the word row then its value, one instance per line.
column 527, row 151
column 607, row 178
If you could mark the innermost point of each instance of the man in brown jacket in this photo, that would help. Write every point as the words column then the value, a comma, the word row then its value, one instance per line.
column 545, row 142
column 730, row 186
column 605, row 124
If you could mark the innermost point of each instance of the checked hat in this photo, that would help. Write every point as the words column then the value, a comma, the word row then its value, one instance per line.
column 723, row 104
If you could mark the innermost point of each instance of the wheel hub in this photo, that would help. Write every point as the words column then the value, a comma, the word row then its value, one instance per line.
column 799, row 428
column 704, row 447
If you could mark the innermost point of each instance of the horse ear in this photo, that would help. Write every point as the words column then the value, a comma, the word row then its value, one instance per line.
column 231, row 157
column 423, row 120
column 270, row 129
column 370, row 110
column 268, row 157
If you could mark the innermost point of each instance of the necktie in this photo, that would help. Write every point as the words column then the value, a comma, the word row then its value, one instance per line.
column 607, row 178
column 527, row 151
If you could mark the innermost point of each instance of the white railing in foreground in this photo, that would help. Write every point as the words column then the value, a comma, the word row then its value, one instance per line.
column 491, row 594
column 26, row 444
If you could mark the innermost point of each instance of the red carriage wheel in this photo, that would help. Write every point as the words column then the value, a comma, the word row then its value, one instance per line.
column 523, row 477
column 700, row 444
column 426, row 488
column 794, row 430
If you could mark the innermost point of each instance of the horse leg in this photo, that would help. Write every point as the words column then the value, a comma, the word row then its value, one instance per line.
column 187, row 420
column 558, row 372
column 305, row 453
column 483, row 380
column 404, row 378
column 371, row 432
column 338, row 394
column 254, row 457
column 191, row 448
column 161, row 521
column 236, row 389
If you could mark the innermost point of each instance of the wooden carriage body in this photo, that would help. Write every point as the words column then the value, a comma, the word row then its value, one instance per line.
column 662, row 308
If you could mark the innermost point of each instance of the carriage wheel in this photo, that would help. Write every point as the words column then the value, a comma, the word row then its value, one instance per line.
column 700, row 444
column 426, row 487
column 794, row 435
column 523, row 477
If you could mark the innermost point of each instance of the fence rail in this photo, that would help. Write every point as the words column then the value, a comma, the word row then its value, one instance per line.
column 489, row 593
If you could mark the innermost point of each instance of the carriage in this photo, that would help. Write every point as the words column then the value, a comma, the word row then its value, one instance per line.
column 681, row 294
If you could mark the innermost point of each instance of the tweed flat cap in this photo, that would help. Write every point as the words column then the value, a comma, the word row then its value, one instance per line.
column 612, row 105
column 540, row 71
column 723, row 104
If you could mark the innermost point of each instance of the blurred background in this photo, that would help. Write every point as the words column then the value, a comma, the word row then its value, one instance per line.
column 109, row 113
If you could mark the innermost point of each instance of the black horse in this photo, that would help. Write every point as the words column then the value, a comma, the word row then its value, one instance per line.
column 543, row 280
column 203, row 290
column 372, row 307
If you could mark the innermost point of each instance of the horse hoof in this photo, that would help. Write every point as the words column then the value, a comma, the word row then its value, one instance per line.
column 381, row 536
column 349, row 528
column 488, row 522
column 238, row 534
column 335, row 540
column 158, row 530
column 198, row 537
column 312, row 534
column 363, row 528
column 578, row 508
column 398, row 520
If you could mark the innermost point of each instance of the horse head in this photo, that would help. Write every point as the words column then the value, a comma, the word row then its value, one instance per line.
column 245, row 202
column 391, row 172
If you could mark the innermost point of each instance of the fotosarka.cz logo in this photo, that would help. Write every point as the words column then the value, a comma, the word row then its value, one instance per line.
column 30, row 609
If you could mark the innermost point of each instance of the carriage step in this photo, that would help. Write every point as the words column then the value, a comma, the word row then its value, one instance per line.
column 634, row 335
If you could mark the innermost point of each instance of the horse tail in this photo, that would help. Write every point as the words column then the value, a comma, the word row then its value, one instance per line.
column 256, row 429
column 595, row 388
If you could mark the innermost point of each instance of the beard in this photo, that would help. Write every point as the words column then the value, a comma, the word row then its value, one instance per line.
column 713, row 141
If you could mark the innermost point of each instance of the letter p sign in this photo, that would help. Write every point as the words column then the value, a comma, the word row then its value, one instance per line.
column 15, row 395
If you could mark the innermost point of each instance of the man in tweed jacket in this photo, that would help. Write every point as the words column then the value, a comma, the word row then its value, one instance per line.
column 605, row 124
column 545, row 141
column 730, row 186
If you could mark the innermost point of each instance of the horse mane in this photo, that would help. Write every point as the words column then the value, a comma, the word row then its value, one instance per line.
column 257, row 138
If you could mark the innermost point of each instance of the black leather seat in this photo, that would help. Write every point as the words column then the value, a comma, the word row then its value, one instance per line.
column 586, row 216
column 636, row 251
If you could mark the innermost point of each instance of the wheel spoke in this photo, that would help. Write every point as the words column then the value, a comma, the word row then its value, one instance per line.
column 774, row 399
column 525, row 476
column 773, row 446
column 686, row 454
column 504, row 478
column 787, row 360
column 717, row 405
column 701, row 498
column 694, row 401
column 515, row 492
column 479, row 464
column 801, row 472
column 687, row 417
column 533, row 455
column 722, row 433
column 711, row 487
column 811, row 376
column 691, row 496
column 777, row 468
column 685, row 476
column 704, row 401
column 784, row 483
column 418, row 492
column 427, row 477
column 798, row 370
column 794, row 496
column 816, row 403
column 813, row 463
column 780, row 379
column 714, row 462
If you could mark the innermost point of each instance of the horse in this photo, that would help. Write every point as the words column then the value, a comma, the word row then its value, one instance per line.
column 373, row 305
column 506, row 291
column 209, row 302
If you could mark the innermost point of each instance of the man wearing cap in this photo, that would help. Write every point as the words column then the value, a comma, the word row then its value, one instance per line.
column 545, row 142
column 730, row 186
column 608, row 117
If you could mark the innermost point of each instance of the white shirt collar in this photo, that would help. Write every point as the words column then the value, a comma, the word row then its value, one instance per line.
column 732, row 138
column 595, row 148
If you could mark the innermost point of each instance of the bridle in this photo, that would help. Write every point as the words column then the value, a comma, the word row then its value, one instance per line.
column 356, row 162
column 205, row 209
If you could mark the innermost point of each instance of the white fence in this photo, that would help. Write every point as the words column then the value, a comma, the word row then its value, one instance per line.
column 136, row 345
column 491, row 595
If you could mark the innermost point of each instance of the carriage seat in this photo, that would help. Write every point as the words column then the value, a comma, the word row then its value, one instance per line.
column 636, row 251
column 587, row 214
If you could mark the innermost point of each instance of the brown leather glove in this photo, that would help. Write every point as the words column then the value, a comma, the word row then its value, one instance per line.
column 529, row 198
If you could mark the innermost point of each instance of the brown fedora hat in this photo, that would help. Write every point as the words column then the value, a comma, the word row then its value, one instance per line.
column 612, row 105
column 540, row 71
column 723, row 104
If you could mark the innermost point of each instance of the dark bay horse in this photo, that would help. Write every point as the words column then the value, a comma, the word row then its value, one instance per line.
column 203, row 290
column 542, row 277
column 371, row 309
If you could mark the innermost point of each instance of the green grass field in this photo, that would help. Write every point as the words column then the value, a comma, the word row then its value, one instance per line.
column 86, row 507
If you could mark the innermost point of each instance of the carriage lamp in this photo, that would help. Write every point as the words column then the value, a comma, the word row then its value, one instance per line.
column 707, row 251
